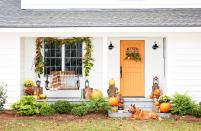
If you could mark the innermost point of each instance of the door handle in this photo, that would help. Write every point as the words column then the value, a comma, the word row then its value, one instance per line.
column 121, row 71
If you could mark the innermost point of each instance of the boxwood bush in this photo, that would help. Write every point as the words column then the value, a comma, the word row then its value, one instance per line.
column 45, row 109
column 62, row 106
column 26, row 106
column 79, row 110
column 98, row 106
column 182, row 104
column 197, row 111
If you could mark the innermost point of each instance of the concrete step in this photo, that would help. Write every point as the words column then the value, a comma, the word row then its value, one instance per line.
column 143, row 103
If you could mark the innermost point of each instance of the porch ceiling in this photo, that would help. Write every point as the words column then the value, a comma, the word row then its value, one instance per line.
column 11, row 16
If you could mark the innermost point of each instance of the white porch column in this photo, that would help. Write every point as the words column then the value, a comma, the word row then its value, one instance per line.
column 105, row 66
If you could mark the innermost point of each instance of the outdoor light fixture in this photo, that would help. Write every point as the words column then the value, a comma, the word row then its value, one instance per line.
column 111, row 46
column 155, row 46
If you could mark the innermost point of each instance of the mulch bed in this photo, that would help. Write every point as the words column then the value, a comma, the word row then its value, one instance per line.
column 11, row 115
column 187, row 118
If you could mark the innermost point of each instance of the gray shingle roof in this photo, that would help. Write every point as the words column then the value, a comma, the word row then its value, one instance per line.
column 12, row 16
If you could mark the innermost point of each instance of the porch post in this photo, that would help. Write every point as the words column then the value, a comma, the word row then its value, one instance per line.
column 105, row 66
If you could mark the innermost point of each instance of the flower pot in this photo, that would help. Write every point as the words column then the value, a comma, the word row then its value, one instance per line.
column 29, row 90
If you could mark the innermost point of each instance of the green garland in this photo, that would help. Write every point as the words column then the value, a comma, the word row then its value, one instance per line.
column 133, row 54
column 87, row 60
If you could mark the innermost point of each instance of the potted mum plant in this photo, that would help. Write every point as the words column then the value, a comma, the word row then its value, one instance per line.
column 28, row 87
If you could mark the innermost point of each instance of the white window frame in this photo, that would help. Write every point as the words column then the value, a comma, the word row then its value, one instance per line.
column 62, row 59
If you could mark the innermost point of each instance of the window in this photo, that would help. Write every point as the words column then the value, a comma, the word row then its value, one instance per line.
column 63, row 58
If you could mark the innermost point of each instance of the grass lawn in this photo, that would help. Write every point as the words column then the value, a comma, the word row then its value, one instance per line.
column 99, row 124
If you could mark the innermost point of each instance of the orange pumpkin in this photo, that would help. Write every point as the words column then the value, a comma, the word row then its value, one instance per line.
column 113, row 101
column 165, row 107
column 156, row 103
column 157, row 92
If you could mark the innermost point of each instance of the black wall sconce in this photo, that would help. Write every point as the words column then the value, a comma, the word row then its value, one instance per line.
column 155, row 46
column 111, row 46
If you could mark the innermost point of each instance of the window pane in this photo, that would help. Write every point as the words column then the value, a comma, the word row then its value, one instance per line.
column 58, row 53
column 79, row 53
column 67, row 53
column 79, row 46
column 79, row 62
column 67, row 46
column 58, row 62
column 73, row 62
column 73, row 46
column 67, row 62
column 57, row 47
column 73, row 53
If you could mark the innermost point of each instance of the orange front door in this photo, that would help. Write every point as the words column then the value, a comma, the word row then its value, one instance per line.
column 132, row 72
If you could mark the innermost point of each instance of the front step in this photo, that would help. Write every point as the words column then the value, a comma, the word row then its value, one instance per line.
column 142, row 103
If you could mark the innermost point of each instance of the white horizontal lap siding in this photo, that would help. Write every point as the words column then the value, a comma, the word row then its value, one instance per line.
column 10, row 66
column 184, row 64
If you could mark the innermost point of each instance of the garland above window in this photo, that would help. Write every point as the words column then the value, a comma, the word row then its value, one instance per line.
column 87, row 59
column 132, row 53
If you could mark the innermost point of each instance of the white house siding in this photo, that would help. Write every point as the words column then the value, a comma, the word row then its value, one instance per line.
column 184, row 64
column 10, row 65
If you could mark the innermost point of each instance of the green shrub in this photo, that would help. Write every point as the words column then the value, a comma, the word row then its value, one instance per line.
column 26, row 106
column 197, row 111
column 182, row 104
column 2, row 95
column 79, row 110
column 98, row 106
column 45, row 109
column 62, row 107
column 76, row 105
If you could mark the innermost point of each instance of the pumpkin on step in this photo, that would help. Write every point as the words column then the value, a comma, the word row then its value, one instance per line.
column 157, row 92
column 113, row 101
column 165, row 107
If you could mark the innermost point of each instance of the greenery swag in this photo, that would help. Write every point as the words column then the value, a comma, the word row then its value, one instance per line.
column 87, row 60
column 132, row 53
